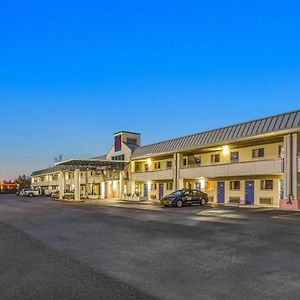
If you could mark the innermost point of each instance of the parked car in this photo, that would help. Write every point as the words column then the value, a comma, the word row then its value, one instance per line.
column 49, row 192
column 31, row 193
column 185, row 197
column 55, row 194
column 21, row 192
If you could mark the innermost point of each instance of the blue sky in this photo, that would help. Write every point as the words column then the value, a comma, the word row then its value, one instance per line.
column 74, row 72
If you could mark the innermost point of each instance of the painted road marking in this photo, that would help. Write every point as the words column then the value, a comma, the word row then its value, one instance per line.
column 293, row 216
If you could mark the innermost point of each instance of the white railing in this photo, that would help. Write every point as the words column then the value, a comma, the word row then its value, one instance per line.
column 153, row 175
column 256, row 167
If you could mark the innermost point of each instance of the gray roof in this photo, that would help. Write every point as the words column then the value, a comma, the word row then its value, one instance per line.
column 131, row 146
column 46, row 171
column 269, row 124
column 101, row 157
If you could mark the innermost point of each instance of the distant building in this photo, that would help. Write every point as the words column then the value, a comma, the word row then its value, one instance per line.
column 256, row 163
column 8, row 186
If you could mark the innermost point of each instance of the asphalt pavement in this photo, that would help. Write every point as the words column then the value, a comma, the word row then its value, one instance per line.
column 114, row 250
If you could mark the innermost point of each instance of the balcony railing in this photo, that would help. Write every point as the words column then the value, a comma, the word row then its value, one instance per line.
column 265, row 158
column 159, row 174
column 152, row 170
column 252, row 167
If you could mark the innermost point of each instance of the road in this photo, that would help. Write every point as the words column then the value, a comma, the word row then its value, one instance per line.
column 115, row 250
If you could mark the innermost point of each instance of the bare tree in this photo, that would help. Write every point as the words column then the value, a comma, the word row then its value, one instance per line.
column 58, row 158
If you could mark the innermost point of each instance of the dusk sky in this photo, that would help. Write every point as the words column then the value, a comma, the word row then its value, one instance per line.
column 74, row 72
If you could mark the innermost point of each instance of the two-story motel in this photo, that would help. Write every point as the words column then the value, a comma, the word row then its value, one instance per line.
column 256, row 163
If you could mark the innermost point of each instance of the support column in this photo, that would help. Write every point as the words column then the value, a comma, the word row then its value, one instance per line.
column 61, row 184
column 86, row 190
column 287, row 166
column 174, row 167
column 121, row 185
column 149, row 189
column 132, row 187
column 294, row 167
column 102, row 188
column 77, row 185
column 178, row 184
column 291, row 148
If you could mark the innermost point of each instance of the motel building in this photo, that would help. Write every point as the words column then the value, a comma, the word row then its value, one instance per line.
column 256, row 163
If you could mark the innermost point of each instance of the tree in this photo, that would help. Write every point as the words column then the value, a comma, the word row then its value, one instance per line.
column 58, row 158
column 23, row 181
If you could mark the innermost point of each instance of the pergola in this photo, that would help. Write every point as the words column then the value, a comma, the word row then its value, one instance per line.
column 91, row 164
column 78, row 165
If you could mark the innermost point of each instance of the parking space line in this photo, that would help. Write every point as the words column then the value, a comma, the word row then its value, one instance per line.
column 288, row 217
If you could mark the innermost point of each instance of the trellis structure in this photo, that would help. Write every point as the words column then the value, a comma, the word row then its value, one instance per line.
column 79, row 165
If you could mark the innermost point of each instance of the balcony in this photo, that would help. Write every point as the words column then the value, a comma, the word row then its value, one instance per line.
column 253, row 167
column 165, row 174
column 45, row 183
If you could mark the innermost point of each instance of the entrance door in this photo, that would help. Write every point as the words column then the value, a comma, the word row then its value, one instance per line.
column 161, row 190
column 221, row 192
column 250, row 192
column 145, row 190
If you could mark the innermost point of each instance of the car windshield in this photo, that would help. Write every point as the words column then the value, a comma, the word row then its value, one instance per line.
column 178, row 193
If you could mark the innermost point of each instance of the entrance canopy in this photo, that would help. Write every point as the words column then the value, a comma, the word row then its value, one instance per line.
column 91, row 164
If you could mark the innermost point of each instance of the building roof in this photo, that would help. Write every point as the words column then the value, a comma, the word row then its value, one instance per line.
column 91, row 164
column 238, row 131
column 101, row 157
column 132, row 147
column 46, row 171
column 124, row 131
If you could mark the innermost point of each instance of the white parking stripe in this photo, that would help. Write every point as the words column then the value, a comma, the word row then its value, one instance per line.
column 288, row 217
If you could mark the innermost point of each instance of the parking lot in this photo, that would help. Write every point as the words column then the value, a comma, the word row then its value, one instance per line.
column 116, row 250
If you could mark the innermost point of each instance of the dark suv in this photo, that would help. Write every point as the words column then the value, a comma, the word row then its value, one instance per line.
column 184, row 197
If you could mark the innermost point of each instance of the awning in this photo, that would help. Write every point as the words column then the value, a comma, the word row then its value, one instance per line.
column 91, row 164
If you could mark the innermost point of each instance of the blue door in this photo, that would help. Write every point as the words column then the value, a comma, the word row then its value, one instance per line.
column 221, row 192
column 250, row 192
column 161, row 190
column 146, row 190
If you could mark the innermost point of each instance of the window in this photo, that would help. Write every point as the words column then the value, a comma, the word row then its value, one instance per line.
column 281, row 151
column 137, row 167
column 260, row 152
column 146, row 167
column 266, row 184
column 154, row 186
column 234, row 157
column 235, row 185
column 187, row 193
column 170, row 186
column 118, row 157
column 195, row 192
column 131, row 141
column 210, row 185
column 185, row 161
column 157, row 165
column 197, row 160
column 215, row 158
column 169, row 164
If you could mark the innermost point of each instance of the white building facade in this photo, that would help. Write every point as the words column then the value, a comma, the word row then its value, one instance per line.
column 254, row 163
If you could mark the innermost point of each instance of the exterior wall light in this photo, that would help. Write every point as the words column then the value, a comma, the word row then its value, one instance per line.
column 202, row 183
column 225, row 149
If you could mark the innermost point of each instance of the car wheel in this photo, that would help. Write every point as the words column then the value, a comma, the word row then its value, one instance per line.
column 179, row 203
column 202, row 201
